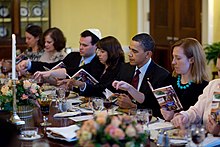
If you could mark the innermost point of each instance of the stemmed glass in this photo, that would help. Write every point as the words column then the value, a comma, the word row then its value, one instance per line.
column 61, row 96
column 144, row 116
column 198, row 133
column 97, row 104
column 45, row 122
column 107, row 104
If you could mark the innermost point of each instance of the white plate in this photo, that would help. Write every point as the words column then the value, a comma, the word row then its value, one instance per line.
column 37, row 11
column 24, row 11
column 3, row 31
column 30, row 138
column 4, row 12
column 67, row 114
column 178, row 141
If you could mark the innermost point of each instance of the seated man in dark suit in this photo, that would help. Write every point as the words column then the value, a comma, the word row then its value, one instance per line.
column 86, row 58
column 140, row 69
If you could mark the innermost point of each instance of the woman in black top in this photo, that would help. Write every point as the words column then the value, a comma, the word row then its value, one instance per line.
column 190, row 76
column 110, row 54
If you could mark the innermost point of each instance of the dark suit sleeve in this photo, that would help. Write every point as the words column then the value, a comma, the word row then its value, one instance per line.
column 70, row 61
column 39, row 66
column 105, row 82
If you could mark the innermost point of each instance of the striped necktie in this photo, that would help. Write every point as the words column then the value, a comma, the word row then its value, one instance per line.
column 82, row 63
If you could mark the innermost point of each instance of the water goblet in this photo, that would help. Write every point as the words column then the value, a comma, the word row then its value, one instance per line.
column 97, row 104
column 61, row 95
column 198, row 134
column 45, row 122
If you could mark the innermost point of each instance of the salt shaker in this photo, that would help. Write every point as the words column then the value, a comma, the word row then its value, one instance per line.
column 166, row 140
column 160, row 139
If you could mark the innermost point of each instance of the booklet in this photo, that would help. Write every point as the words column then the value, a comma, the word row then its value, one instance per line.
column 59, row 65
column 167, row 97
column 84, row 76
column 215, row 110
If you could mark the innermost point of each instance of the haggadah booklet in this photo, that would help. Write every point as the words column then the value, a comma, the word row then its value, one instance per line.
column 215, row 110
column 167, row 97
column 59, row 65
column 83, row 75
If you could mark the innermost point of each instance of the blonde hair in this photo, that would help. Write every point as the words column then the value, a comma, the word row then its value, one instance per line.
column 193, row 49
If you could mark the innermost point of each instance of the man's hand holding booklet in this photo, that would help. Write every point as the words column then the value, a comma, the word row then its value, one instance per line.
column 84, row 76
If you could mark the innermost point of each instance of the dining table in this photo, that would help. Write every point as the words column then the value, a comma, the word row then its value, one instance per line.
column 37, row 119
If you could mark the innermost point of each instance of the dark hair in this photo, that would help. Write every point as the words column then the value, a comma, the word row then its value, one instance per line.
column 57, row 35
column 218, row 55
column 35, row 31
column 145, row 40
column 87, row 33
column 114, row 50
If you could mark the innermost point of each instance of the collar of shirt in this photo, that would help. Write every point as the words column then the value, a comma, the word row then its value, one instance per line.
column 143, row 70
column 88, row 59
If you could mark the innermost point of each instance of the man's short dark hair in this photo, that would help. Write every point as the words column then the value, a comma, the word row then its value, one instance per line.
column 87, row 33
column 145, row 40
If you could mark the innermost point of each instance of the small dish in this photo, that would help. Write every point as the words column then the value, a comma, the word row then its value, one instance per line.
column 24, row 12
column 4, row 11
column 37, row 11
column 38, row 136
column 3, row 31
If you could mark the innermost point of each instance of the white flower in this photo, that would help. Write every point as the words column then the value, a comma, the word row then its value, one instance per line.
column 130, row 131
column 26, row 84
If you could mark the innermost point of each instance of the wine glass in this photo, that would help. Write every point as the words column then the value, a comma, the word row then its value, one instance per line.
column 107, row 104
column 97, row 104
column 61, row 95
column 198, row 133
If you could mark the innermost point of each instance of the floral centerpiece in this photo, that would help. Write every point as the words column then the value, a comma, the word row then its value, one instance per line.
column 107, row 130
column 26, row 94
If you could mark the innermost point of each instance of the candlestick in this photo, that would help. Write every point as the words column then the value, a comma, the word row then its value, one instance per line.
column 13, row 56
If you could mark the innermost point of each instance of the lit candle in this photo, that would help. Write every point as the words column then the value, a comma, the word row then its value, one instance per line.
column 13, row 56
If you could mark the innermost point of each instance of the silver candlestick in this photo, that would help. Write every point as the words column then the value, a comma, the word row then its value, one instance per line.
column 15, row 118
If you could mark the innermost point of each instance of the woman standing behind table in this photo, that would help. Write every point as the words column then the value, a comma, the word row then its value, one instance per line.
column 190, row 76
column 33, row 39
column 54, row 44
column 110, row 54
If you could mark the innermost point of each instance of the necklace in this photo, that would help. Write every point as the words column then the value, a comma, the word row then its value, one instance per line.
column 180, row 86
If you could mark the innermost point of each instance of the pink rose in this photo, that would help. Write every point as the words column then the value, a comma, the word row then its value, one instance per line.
column 33, row 90
column 24, row 97
column 117, row 133
column 139, row 128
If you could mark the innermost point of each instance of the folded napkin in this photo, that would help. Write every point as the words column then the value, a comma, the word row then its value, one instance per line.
column 85, row 110
column 81, row 118
column 67, row 132
column 74, row 101
column 66, row 114
column 107, row 93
